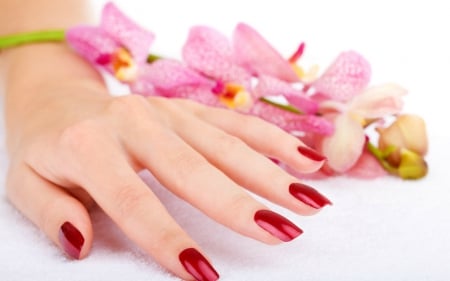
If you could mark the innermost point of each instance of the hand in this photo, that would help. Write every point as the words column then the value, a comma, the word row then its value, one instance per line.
column 85, row 146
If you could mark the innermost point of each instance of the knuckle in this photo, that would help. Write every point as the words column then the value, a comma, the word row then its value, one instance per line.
column 229, row 145
column 243, row 205
column 131, row 201
column 128, row 105
column 187, row 165
column 166, row 235
column 79, row 137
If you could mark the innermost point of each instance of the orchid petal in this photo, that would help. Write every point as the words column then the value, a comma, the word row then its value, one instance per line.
column 92, row 43
column 346, row 77
column 269, row 86
column 135, row 38
column 379, row 101
column 255, row 54
column 170, row 74
column 367, row 167
column 209, row 52
column 292, row 122
column 345, row 146
column 199, row 94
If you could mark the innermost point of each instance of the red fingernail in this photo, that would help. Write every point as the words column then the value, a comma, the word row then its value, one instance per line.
column 311, row 153
column 308, row 195
column 196, row 264
column 277, row 225
column 71, row 240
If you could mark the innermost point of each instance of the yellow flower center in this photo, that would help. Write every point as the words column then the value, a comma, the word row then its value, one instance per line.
column 124, row 67
column 306, row 76
column 235, row 96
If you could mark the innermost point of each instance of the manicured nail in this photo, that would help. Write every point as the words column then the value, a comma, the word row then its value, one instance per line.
column 311, row 153
column 196, row 264
column 71, row 240
column 277, row 225
column 308, row 195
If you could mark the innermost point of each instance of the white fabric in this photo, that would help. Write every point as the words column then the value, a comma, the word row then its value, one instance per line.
column 385, row 229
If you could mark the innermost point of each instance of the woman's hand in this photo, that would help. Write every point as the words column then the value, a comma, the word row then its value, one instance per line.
column 84, row 146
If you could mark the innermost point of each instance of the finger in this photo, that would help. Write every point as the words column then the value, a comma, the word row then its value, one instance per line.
column 62, row 217
column 248, row 167
column 190, row 176
column 262, row 136
column 119, row 191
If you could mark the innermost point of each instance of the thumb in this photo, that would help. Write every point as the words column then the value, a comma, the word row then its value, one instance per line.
column 62, row 217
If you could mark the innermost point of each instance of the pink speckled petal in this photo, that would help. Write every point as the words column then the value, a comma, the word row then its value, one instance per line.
column 199, row 94
column 367, row 167
column 379, row 101
column 170, row 74
column 92, row 43
column 254, row 53
column 209, row 52
column 270, row 86
column 345, row 146
column 346, row 77
column 135, row 38
column 142, row 87
column 292, row 122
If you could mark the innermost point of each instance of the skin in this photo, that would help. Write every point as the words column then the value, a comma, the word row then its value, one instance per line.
column 59, row 115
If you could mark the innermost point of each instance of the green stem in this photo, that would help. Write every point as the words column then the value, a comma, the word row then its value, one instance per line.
column 9, row 41
column 286, row 107
column 380, row 156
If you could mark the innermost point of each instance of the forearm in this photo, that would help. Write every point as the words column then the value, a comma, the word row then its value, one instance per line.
column 28, row 70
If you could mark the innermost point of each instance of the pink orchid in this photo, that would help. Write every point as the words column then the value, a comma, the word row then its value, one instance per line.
column 345, row 146
column 235, row 65
column 118, row 44
column 345, row 78
column 173, row 79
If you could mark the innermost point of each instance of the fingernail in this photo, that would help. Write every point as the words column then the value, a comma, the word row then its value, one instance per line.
column 311, row 153
column 308, row 195
column 277, row 225
column 196, row 264
column 71, row 240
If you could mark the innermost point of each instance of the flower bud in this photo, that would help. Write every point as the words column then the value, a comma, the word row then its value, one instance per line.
column 408, row 132
column 412, row 165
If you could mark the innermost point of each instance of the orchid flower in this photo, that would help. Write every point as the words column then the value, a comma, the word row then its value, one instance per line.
column 235, row 65
column 118, row 45
column 350, row 105
column 344, row 148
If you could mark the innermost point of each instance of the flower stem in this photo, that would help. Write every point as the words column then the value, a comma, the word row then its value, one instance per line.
column 286, row 107
column 14, row 40
column 380, row 156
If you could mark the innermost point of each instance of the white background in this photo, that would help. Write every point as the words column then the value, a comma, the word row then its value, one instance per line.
column 384, row 229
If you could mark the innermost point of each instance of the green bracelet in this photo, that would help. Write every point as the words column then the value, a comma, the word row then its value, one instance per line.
column 18, row 39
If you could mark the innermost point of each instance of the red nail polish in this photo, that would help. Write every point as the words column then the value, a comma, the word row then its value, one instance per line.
column 277, row 225
column 71, row 240
column 308, row 195
column 196, row 264
column 311, row 153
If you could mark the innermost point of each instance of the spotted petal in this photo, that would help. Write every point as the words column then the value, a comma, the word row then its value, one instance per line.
column 92, row 43
column 118, row 26
column 209, row 52
column 346, row 77
column 269, row 86
column 170, row 74
column 254, row 53
column 292, row 122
